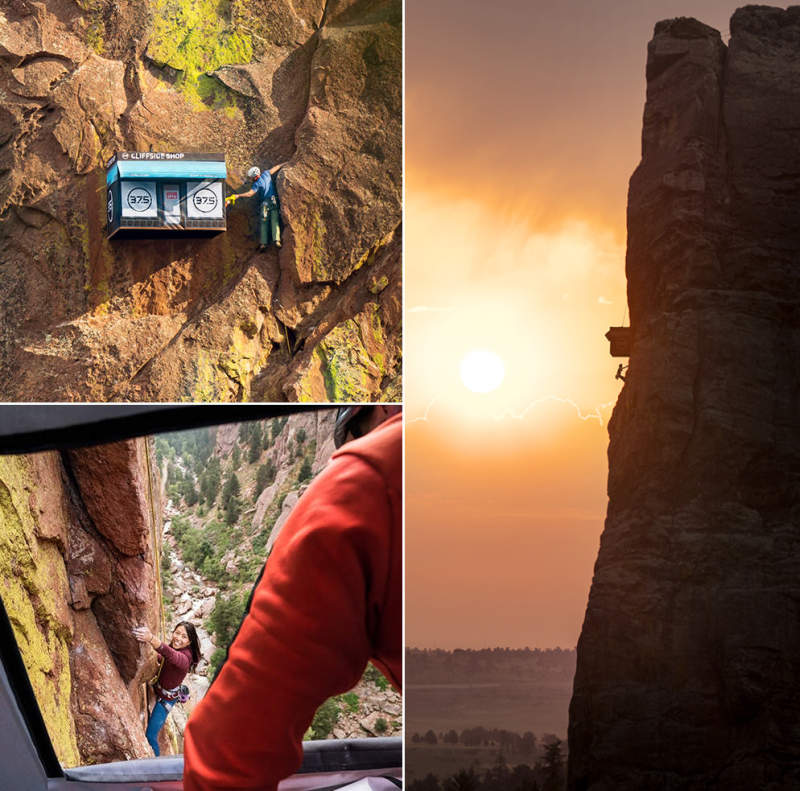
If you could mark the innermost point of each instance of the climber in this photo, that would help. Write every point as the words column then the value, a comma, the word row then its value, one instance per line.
column 328, row 599
column 178, row 658
column 621, row 372
column 268, row 209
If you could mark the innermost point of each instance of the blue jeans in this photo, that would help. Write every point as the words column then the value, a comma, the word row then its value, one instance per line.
column 158, row 716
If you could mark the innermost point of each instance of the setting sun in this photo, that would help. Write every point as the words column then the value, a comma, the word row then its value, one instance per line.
column 482, row 371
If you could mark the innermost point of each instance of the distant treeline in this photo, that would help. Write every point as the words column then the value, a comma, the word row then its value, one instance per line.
column 546, row 774
column 466, row 665
column 486, row 737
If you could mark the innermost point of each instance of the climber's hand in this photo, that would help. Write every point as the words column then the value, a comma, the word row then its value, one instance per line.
column 231, row 199
column 143, row 634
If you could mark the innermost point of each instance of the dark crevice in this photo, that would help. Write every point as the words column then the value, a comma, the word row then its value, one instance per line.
column 42, row 55
column 291, row 340
column 324, row 16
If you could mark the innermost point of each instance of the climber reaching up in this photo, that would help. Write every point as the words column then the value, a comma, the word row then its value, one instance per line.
column 268, row 210
column 179, row 657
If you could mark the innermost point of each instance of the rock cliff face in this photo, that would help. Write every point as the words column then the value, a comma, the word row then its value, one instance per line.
column 78, row 537
column 688, row 672
column 316, row 84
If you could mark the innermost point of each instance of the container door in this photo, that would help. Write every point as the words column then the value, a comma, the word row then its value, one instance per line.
column 171, row 201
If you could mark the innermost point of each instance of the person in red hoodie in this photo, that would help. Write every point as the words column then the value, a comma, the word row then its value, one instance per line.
column 179, row 657
column 329, row 600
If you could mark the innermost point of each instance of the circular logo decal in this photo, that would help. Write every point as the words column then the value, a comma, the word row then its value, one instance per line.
column 110, row 207
column 139, row 199
column 205, row 200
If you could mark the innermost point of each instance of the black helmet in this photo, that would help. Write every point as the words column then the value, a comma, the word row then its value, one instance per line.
column 346, row 424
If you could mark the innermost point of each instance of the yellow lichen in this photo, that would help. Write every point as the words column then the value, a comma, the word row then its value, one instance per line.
column 35, row 592
column 195, row 37
column 349, row 365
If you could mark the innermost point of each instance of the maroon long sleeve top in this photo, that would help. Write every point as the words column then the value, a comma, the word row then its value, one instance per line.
column 176, row 665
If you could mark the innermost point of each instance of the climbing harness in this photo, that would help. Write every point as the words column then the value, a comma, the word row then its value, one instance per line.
column 180, row 693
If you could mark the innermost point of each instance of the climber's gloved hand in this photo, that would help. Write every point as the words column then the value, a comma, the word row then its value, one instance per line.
column 231, row 199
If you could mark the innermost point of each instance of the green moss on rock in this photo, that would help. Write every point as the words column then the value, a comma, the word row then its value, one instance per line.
column 351, row 360
column 377, row 284
column 95, row 25
column 196, row 37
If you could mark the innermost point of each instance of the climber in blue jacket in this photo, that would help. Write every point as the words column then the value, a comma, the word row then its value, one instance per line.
column 268, row 210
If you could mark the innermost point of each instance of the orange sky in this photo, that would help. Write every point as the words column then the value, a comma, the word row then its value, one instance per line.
column 523, row 126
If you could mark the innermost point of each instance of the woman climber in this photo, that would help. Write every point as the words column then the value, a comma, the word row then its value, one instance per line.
column 179, row 657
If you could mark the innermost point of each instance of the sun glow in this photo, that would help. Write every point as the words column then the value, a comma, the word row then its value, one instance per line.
column 482, row 371
column 529, row 295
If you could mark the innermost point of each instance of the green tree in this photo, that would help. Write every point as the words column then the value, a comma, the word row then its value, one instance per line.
column 265, row 475
column 528, row 743
column 305, row 471
column 325, row 719
column 236, row 458
column 230, row 490
column 217, row 658
column 225, row 618
column 210, row 481
column 300, row 436
column 463, row 780
column 211, row 568
column 195, row 548
column 233, row 509
column 223, row 623
column 254, row 453
column 178, row 526
column 260, row 541
column 351, row 701
column 188, row 492
column 278, row 425
column 428, row 783
column 553, row 766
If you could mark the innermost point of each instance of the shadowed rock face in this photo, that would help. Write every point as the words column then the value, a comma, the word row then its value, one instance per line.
column 314, row 84
column 688, row 672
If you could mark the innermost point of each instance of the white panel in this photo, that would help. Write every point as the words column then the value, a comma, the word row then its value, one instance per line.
column 138, row 199
column 204, row 200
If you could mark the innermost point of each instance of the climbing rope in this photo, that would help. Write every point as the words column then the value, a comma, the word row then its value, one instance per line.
column 156, row 544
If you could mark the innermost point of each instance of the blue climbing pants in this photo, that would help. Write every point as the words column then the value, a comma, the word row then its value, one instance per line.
column 158, row 716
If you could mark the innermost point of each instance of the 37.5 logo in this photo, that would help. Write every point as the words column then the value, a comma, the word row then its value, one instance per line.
column 139, row 199
column 204, row 200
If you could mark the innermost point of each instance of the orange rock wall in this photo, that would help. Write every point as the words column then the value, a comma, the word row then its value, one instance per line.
column 79, row 545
